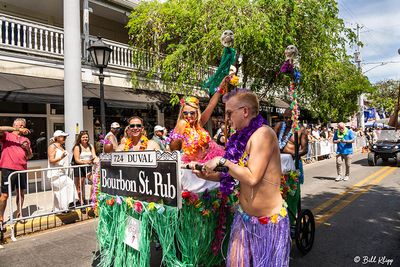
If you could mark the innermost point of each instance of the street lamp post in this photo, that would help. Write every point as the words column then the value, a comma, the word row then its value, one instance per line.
column 100, row 54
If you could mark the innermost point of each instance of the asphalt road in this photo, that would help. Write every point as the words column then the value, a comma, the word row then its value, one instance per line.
column 357, row 220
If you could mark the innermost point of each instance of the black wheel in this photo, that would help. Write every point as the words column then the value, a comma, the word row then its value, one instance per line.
column 371, row 159
column 398, row 159
column 305, row 231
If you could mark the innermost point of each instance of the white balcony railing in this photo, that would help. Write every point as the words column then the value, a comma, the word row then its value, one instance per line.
column 22, row 36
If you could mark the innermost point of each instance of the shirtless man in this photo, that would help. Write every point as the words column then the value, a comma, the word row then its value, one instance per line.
column 286, row 142
column 260, row 230
column 136, row 140
column 286, row 139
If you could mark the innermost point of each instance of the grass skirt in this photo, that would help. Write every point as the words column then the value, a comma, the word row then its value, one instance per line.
column 254, row 244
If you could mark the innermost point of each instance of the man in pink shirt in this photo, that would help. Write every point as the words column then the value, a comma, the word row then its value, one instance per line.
column 14, row 156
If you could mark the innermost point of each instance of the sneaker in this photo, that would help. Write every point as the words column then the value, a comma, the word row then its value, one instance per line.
column 346, row 178
column 339, row 178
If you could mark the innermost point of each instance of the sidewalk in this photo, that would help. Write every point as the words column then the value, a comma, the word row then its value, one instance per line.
column 39, row 205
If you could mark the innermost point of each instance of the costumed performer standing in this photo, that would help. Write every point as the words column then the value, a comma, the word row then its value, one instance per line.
column 260, row 234
column 196, row 142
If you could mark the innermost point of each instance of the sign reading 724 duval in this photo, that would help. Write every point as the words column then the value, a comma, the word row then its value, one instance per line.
column 144, row 175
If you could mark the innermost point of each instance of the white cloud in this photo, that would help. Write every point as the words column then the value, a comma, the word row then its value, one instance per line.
column 380, row 34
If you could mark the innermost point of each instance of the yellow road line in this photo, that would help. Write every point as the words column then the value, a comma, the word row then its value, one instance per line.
column 346, row 202
column 329, row 202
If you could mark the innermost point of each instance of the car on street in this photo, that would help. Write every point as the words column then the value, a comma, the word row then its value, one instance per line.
column 387, row 146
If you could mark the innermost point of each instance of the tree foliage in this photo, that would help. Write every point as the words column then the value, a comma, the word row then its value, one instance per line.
column 385, row 95
column 187, row 32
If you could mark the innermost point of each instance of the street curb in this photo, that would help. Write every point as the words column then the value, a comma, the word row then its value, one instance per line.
column 48, row 222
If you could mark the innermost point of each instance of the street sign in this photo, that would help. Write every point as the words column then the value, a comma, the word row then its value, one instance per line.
column 144, row 175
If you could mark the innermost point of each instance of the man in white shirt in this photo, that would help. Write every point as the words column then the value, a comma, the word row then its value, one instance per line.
column 111, row 135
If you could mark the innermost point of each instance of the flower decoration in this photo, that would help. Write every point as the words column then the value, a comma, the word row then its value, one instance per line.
column 143, row 143
column 110, row 202
column 151, row 206
column 253, row 220
column 188, row 100
column 263, row 220
column 274, row 218
column 138, row 207
column 289, row 183
column 119, row 200
column 160, row 209
column 129, row 202
column 234, row 80
column 185, row 194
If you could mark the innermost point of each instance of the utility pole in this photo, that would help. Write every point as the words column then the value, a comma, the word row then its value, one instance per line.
column 357, row 59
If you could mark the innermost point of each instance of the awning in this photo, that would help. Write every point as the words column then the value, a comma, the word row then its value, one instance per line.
column 27, row 89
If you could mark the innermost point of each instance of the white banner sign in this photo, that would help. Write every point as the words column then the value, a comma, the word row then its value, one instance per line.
column 137, row 159
column 132, row 232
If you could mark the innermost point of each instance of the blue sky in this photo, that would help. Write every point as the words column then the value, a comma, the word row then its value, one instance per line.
column 380, row 34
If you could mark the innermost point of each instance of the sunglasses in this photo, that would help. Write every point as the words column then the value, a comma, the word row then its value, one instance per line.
column 192, row 113
column 132, row 126
column 81, row 132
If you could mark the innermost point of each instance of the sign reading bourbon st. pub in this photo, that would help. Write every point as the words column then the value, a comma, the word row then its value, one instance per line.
column 144, row 175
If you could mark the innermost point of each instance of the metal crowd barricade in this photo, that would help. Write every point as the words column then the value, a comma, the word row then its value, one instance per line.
column 41, row 200
column 327, row 147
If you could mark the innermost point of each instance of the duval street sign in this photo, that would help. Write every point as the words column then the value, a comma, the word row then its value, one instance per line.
column 144, row 175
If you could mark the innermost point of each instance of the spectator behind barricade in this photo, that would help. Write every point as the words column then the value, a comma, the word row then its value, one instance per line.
column 330, row 134
column 16, row 150
column 344, row 139
column 315, row 133
column 62, row 185
column 219, row 137
column 324, row 133
column 83, row 153
column 158, row 136
column 135, row 137
column 311, row 141
column 111, row 136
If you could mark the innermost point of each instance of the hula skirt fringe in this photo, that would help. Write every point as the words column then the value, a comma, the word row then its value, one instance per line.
column 185, row 235
column 259, row 244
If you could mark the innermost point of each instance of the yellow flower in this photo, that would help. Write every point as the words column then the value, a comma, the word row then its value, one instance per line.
column 151, row 206
column 129, row 202
column 274, row 218
column 283, row 212
column 198, row 204
column 234, row 80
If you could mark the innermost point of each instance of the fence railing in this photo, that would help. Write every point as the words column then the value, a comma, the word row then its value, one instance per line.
column 319, row 149
column 48, row 191
column 23, row 36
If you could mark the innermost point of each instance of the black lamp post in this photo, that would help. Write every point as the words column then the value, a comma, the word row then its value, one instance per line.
column 100, row 54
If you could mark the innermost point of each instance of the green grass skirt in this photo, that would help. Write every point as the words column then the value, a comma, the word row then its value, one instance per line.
column 185, row 235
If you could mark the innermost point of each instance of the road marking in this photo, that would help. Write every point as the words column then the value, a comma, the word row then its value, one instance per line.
column 329, row 202
column 324, row 217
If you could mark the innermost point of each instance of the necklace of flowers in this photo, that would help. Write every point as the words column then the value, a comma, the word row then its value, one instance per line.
column 129, row 143
column 282, row 143
column 235, row 148
column 192, row 143
column 340, row 134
